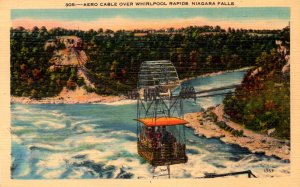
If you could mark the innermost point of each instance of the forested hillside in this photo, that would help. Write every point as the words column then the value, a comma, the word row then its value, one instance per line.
column 115, row 56
column 262, row 103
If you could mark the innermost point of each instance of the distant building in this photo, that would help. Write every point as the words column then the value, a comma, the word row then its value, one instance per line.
column 140, row 34
column 105, row 34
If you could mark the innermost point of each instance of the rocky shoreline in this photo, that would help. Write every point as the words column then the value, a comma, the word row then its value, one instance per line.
column 205, row 124
column 77, row 96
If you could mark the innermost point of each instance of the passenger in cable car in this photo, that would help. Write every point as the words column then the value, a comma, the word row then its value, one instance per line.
column 158, row 137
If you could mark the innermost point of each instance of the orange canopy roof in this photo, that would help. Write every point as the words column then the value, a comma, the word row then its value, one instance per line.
column 163, row 121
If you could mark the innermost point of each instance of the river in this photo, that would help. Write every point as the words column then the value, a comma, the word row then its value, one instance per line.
column 86, row 141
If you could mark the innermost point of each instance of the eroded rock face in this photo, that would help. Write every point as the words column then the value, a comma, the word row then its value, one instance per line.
column 284, row 49
column 271, row 131
column 69, row 57
column 71, row 52
column 286, row 67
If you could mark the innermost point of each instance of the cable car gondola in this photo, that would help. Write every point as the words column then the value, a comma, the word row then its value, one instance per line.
column 160, row 130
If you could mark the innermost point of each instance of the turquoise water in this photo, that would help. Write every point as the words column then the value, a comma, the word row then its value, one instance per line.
column 99, row 141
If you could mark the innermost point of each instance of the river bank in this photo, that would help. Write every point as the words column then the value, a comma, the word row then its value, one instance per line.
column 81, row 96
column 204, row 125
column 77, row 96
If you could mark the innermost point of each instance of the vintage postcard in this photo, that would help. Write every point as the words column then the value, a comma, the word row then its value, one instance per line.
column 155, row 92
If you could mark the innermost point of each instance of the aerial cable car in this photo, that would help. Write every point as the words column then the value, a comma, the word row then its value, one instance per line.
column 160, row 130
column 160, row 124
